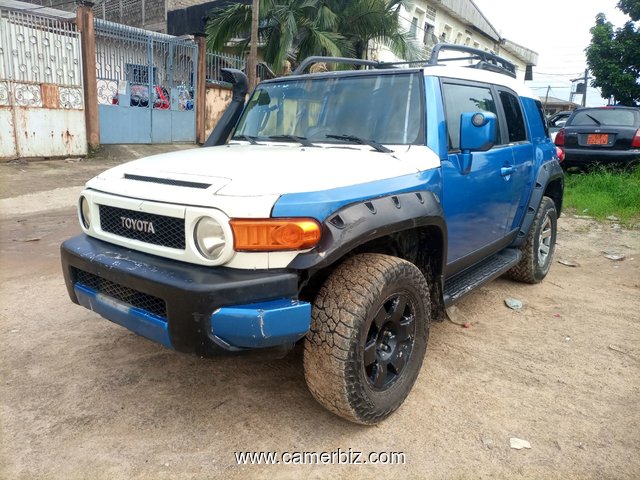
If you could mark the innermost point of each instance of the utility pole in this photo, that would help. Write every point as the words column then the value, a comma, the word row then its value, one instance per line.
column 252, row 59
column 581, row 88
column 546, row 98
column 584, row 96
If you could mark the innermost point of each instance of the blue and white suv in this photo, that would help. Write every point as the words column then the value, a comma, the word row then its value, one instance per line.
column 347, row 210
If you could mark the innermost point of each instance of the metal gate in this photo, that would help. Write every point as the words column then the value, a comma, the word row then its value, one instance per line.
column 41, row 94
column 146, row 85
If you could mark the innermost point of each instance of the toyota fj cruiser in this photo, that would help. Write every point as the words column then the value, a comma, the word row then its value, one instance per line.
column 344, row 209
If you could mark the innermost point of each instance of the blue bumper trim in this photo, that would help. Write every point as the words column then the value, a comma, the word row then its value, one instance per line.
column 139, row 321
column 259, row 325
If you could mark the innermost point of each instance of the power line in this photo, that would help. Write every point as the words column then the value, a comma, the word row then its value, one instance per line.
column 559, row 74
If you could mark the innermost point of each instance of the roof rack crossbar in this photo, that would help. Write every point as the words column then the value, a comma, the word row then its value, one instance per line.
column 487, row 60
column 352, row 61
column 402, row 62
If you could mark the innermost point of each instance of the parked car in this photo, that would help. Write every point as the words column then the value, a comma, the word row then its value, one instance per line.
column 556, row 122
column 348, row 210
column 139, row 97
column 602, row 135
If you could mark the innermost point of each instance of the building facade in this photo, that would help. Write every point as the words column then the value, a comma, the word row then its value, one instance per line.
column 459, row 22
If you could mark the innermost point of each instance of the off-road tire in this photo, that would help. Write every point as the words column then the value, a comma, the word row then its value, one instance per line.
column 531, row 269
column 342, row 321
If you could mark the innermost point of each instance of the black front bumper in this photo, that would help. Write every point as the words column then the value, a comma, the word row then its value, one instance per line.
column 191, row 292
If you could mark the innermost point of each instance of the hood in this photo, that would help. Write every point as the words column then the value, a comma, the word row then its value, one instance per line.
column 255, row 170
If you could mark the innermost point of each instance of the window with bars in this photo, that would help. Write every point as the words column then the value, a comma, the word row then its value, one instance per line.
column 431, row 13
column 414, row 27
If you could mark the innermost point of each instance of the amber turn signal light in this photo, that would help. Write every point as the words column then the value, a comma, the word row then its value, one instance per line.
column 270, row 235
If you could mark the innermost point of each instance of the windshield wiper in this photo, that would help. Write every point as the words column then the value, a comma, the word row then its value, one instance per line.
column 248, row 138
column 594, row 119
column 295, row 138
column 361, row 141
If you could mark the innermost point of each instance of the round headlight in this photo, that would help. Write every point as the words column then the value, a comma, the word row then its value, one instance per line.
column 85, row 213
column 210, row 238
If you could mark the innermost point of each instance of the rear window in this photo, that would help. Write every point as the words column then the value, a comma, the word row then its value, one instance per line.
column 606, row 116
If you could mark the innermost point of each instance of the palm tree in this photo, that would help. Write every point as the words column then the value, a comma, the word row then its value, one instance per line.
column 362, row 21
column 313, row 27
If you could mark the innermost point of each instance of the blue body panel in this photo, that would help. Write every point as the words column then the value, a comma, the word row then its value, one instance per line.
column 265, row 324
column 436, row 127
column 542, row 150
column 320, row 205
column 476, row 204
column 477, row 137
column 139, row 321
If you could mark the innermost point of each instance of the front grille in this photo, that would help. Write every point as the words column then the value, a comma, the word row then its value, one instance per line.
column 140, row 300
column 146, row 227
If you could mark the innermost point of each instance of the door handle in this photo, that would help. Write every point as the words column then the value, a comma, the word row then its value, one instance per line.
column 506, row 171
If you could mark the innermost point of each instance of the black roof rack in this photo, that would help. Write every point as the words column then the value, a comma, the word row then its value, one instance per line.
column 486, row 60
column 352, row 61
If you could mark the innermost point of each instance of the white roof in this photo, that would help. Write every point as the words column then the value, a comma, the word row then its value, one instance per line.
column 477, row 75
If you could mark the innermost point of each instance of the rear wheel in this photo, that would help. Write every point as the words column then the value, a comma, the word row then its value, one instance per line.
column 368, row 337
column 537, row 251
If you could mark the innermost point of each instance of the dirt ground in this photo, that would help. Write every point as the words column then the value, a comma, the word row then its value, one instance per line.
column 81, row 397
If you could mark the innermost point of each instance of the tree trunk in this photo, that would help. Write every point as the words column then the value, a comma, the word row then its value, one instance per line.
column 252, row 59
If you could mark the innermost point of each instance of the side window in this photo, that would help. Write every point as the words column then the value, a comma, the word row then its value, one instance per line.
column 543, row 119
column 465, row 98
column 513, row 115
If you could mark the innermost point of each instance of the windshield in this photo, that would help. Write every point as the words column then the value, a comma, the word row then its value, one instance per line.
column 383, row 108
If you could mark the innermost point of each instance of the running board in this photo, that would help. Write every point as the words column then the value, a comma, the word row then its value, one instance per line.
column 465, row 282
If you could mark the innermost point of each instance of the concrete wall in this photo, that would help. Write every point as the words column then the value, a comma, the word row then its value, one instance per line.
column 148, row 14
column 177, row 4
column 217, row 100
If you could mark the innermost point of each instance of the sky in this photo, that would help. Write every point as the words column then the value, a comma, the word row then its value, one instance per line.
column 559, row 31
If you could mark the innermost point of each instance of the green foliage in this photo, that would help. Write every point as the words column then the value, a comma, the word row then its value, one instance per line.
column 601, row 193
column 631, row 8
column 614, row 56
column 313, row 27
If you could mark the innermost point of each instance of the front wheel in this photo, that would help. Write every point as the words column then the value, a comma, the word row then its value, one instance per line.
column 537, row 251
column 368, row 337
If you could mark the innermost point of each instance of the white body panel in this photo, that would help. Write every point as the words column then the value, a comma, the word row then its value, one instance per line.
column 477, row 75
column 245, row 182
column 243, row 170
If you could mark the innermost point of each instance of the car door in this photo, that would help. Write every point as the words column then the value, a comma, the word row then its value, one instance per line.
column 477, row 202
column 517, row 176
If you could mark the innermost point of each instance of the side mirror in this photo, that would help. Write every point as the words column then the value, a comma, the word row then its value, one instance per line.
column 477, row 131
column 477, row 134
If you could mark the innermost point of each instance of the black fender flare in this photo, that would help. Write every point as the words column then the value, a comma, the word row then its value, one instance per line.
column 548, row 172
column 366, row 220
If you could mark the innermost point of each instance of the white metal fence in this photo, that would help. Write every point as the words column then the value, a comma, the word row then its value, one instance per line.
column 40, row 86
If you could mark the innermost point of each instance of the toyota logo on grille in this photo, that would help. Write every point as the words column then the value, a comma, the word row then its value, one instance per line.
column 143, row 226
